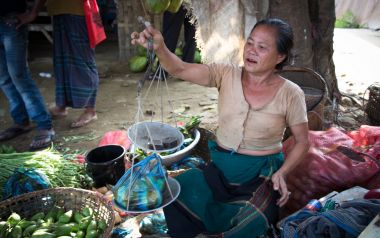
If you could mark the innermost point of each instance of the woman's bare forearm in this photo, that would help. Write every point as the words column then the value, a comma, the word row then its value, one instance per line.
column 196, row 73
column 301, row 147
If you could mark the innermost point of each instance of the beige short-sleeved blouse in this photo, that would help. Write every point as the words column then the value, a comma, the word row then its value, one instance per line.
column 239, row 126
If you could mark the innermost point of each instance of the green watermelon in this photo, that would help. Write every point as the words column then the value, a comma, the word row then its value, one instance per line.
column 178, row 52
column 174, row 6
column 141, row 51
column 197, row 57
column 156, row 6
column 137, row 63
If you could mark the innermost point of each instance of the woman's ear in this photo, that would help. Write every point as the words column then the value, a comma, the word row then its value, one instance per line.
column 280, row 58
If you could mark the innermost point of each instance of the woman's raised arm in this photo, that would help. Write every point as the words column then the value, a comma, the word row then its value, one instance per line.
column 195, row 73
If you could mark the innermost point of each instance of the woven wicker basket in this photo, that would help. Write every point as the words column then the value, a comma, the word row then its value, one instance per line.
column 312, row 83
column 315, row 90
column 201, row 149
column 28, row 204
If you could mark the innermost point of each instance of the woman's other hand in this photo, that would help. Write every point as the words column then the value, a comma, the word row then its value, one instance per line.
column 279, row 184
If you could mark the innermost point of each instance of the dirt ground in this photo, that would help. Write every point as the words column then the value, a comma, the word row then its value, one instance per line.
column 117, row 102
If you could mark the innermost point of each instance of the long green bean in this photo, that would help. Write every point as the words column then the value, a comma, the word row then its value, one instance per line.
column 60, row 172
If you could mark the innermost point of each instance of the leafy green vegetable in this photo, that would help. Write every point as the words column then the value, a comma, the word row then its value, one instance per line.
column 348, row 20
column 189, row 126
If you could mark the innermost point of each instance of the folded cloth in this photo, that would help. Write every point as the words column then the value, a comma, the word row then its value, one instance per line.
column 348, row 220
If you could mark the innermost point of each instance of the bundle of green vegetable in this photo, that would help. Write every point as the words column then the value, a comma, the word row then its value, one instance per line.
column 6, row 149
column 60, row 172
column 56, row 223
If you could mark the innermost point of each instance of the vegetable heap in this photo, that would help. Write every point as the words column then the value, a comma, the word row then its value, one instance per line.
column 60, row 172
column 58, row 222
column 188, row 128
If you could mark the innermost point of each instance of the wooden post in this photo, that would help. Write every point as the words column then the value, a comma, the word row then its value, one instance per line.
column 121, row 11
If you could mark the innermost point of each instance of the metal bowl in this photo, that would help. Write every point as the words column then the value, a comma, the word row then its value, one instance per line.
column 155, row 137
column 180, row 154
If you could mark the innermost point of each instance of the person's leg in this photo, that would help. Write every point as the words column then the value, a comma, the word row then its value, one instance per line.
column 16, row 53
column 25, row 97
column 16, row 104
column 77, row 77
column 171, row 28
column 88, row 115
column 190, row 43
column 59, row 110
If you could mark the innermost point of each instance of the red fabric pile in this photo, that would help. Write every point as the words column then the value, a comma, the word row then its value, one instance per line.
column 336, row 161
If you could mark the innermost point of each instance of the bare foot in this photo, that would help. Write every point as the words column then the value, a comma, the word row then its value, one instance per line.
column 85, row 118
column 57, row 112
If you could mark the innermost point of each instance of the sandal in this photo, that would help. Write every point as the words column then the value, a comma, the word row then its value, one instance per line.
column 13, row 132
column 83, row 120
column 42, row 140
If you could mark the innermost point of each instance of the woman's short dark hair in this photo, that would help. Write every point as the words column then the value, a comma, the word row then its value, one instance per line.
column 284, row 37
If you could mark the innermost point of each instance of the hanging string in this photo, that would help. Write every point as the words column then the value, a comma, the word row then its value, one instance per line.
column 158, row 74
column 144, row 10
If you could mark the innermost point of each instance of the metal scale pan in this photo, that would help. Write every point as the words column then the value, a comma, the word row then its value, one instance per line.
column 170, row 195
column 155, row 137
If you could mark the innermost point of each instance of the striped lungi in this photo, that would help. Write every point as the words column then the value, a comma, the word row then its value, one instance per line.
column 75, row 70
column 231, row 197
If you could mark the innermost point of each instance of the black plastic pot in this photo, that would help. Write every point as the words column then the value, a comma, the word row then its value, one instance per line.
column 105, row 164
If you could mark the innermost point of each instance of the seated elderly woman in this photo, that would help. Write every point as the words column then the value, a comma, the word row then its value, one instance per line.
column 239, row 193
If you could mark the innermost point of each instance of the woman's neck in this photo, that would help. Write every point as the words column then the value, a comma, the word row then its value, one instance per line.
column 264, row 79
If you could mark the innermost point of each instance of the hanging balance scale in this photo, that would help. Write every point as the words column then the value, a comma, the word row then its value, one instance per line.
column 145, row 186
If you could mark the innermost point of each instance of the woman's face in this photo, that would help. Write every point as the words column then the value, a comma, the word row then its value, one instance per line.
column 260, row 50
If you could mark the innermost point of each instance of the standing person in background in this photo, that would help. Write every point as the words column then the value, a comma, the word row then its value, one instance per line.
column 25, row 99
column 75, row 69
column 172, row 24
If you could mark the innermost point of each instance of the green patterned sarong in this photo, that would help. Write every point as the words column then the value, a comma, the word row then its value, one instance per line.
column 231, row 197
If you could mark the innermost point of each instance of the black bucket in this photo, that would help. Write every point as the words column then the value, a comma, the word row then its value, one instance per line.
column 105, row 164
